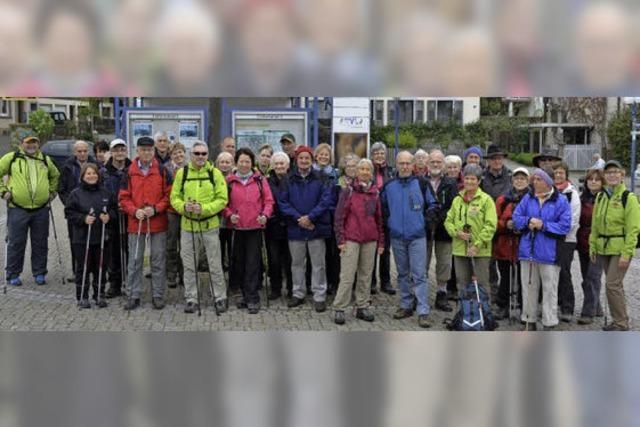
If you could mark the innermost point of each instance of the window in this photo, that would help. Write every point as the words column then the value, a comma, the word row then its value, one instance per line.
column 445, row 111
column 575, row 136
column 5, row 108
column 419, row 114
column 405, row 112
column 431, row 111
column 377, row 112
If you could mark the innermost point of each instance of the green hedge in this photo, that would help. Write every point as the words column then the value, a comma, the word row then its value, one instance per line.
column 522, row 158
column 619, row 136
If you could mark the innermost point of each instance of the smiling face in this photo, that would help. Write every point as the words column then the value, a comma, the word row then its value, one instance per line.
column 304, row 161
column 613, row 176
column 280, row 166
column 594, row 183
column 199, row 156
column 404, row 163
column 90, row 176
column 496, row 162
column 453, row 170
column 350, row 168
column 323, row 158
column 30, row 146
column 119, row 153
column 520, row 181
column 473, row 159
column 365, row 173
column 471, row 183
column 145, row 153
column 436, row 162
column 265, row 158
column 177, row 157
column 81, row 151
column 244, row 164
column 559, row 176
column 379, row 157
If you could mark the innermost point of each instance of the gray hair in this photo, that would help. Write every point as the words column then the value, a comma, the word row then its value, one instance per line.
column 366, row 162
column 160, row 134
column 436, row 151
column 420, row 152
column 199, row 143
column 78, row 143
column 348, row 158
column 377, row 146
column 280, row 155
column 472, row 169
column 453, row 159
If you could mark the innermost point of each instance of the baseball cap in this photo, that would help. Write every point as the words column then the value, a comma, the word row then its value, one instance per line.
column 613, row 164
column 288, row 137
column 145, row 141
column 521, row 170
column 117, row 142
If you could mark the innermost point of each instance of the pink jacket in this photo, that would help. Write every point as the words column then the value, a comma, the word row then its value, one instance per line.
column 248, row 200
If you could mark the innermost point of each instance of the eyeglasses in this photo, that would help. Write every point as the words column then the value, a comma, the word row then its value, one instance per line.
column 199, row 153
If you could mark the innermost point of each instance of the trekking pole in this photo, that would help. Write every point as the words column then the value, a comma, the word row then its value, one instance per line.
column 55, row 238
column 86, row 258
column 195, row 264
column 213, row 294
column 265, row 261
column 6, row 259
column 533, row 237
column 474, row 278
column 123, row 253
column 104, row 210
column 135, row 261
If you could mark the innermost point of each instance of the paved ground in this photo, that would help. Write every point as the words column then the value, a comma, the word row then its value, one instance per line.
column 53, row 307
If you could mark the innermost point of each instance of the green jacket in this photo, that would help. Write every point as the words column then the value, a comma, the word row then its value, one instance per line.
column 615, row 228
column 198, row 187
column 32, row 179
column 480, row 214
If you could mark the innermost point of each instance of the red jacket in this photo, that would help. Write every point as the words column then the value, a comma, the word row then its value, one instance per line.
column 358, row 216
column 247, row 201
column 151, row 190
column 587, row 201
column 505, row 245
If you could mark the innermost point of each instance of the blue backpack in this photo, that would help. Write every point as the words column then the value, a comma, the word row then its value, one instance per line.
column 471, row 315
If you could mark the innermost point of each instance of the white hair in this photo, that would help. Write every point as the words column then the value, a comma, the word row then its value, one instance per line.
column 160, row 134
column 421, row 152
column 280, row 155
column 366, row 162
column 453, row 159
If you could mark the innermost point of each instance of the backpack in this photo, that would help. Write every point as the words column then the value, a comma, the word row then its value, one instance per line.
column 18, row 155
column 468, row 316
column 625, row 197
column 185, row 173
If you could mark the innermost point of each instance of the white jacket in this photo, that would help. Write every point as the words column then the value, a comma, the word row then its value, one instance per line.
column 575, row 212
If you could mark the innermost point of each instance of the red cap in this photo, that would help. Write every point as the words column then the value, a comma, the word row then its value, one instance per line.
column 304, row 149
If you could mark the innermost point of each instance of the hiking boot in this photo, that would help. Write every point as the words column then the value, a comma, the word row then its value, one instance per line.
column 365, row 314
column 241, row 304
column 612, row 327
column 40, row 280
column 452, row 296
column 274, row 295
column 530, row 326
column 402, row 313
column 501, row 313
column 172, row 284
column 71, row 279
column 190, row 308
column 338, row 317
column 113, row 292
column 319, row 306
column 548, row 328
column 387, row 289
column 374, row 291
column 158, row 303
column 132, row 304
column 254, row 308
column 84, row 303
column 295, row 302
column 222, row 305
column 565, row 317
column 585, row 320
column 101, row 303
column 15, row 282
column 442, row 303
column 423, row 321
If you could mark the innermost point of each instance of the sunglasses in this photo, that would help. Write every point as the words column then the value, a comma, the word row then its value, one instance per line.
column 199, row 153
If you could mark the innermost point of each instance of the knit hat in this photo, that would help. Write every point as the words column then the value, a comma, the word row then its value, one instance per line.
column 475, row 149
column 304, row 149
column 472, row 169
column 542, row 175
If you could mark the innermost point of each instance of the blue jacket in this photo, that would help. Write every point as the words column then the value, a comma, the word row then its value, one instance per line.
column 306, row 196
column 555, row 213
column 404, row 207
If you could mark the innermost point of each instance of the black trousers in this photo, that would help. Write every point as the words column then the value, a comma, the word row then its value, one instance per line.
column 332, row 262
column 245, row 264
column 504, row 267
column 74, row 258
column 115, row 246
column 279, row 259
column 452, row 284
column 93, row 266
column 566, row 296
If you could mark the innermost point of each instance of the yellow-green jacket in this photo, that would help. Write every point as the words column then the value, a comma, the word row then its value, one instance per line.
column 32, row 179
column 614, row 227
column 480, row 215
column 199, row 188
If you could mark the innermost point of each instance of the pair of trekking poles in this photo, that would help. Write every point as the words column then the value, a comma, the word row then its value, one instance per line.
column 86, row 257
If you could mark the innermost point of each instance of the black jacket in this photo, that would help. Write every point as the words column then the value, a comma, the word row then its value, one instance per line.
column 70, row 177
column 447, row 191
column 79, row 204
column 496, row 186
column 277, row 223
column 112, row 177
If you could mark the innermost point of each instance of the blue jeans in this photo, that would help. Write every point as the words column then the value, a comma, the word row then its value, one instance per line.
column 411, row 258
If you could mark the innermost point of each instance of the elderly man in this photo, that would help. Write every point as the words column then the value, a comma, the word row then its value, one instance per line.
column 161, row 144
column 33, row 183
column 228, row 145
column 288, row 143
column 404, row 205
column 598, row 162
column 70, row 180
column 144, row 197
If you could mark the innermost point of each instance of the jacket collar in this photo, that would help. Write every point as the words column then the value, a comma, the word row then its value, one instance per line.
column 109, row 165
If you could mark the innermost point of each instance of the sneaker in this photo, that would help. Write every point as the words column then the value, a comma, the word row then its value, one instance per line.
column 158, row 303
column 40, row 280
column 442, row 303
column 585, row 320
column 15, row 281
column 295, row 302
column 84, row 303
column 222, row 305
column 101, row 303
column 365, row 314
column 319, row 306
column 402, row 313
column 113, row 292
column 191, row 307
column 423, row 321
column 530, row 326
column 565, row 317
column 254, row 308
column 338, row 317
column 132, row 304
column 612, row 327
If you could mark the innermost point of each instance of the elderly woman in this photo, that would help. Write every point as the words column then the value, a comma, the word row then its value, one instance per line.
column 225, row 163
column 543, row 216
column 279, row 257
column 264, row 159
column 453, row 167
column 383, row 174
column 359, row 233
column 420, row 167
column 472, row 156
column 348, row 166
column 591, row 272
column 173, row 260
column 471, row 222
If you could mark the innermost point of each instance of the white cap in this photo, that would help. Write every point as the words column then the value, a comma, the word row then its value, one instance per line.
column 117, row 142
column 521, row 170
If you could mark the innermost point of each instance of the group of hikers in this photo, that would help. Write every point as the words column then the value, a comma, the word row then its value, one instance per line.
column 313, row 229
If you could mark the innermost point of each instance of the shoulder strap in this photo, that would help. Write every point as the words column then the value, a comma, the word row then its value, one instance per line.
column 625, row 196
column 185, row 172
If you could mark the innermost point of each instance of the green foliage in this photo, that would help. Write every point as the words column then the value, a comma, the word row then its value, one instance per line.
column 522, row 158
column 619, row 137
column 42, row 124
column 406, row 140
column 18, row 132
column 493, row 107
